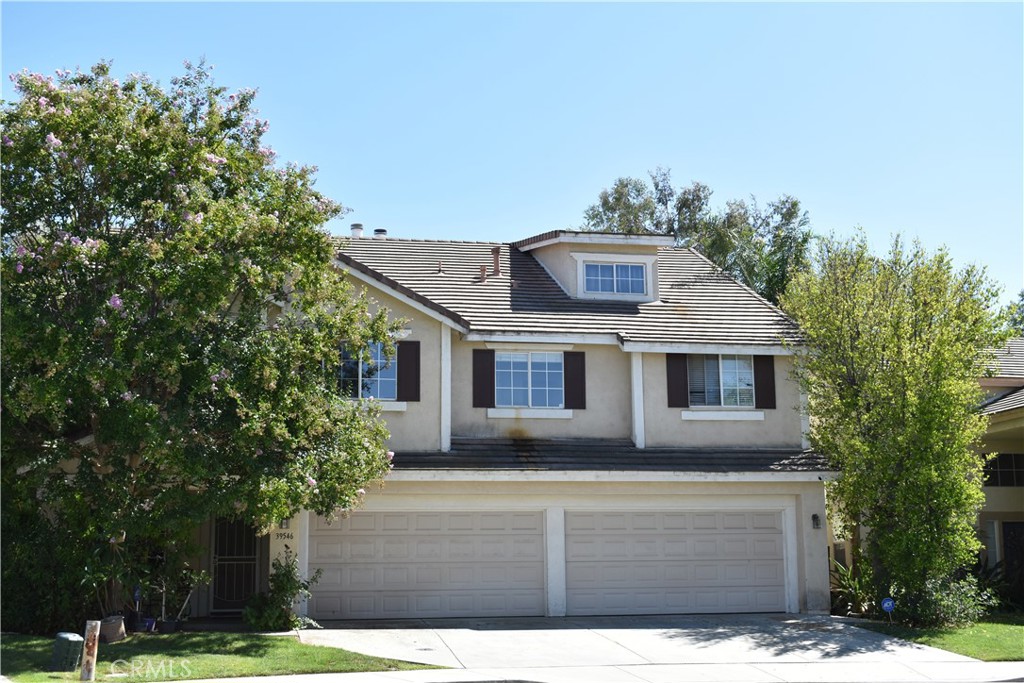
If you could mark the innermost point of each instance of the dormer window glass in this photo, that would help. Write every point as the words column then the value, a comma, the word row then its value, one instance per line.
column 615, row 278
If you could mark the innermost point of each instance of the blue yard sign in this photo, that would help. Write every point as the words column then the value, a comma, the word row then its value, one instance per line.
column 888, row 605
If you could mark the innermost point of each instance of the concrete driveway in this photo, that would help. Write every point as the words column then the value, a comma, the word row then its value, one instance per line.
column 663, row 648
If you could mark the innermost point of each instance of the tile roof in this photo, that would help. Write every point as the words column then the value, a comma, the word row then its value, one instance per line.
column 698, row 304
column 1009, row 400
column 605, row 455
column 1010, row 359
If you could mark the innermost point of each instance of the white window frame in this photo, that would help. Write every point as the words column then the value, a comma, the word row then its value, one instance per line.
column 376, row 353
column 649, row 263
column 721, row 405
column 529, row 380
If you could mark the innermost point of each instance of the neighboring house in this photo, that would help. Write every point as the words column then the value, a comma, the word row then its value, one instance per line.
column 583, row 424
column 1001, row 522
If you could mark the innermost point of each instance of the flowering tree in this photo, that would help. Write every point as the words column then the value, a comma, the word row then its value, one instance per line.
column 171, row 326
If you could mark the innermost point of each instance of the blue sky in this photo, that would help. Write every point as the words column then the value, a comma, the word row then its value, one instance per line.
column 498, row 121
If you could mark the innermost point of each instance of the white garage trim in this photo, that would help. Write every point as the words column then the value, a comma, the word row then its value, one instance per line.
column 789, row 563
column 554, row 544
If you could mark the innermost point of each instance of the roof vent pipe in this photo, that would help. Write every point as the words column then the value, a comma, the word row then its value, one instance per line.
column 496, row 253
column 483, row 273
column 357, row 229
column 380, row 233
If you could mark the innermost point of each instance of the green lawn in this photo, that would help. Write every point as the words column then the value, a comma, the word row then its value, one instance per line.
column 997, row 638
column 181, row 656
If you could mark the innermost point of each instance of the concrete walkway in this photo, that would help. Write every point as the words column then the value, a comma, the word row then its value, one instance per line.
column 752, row 648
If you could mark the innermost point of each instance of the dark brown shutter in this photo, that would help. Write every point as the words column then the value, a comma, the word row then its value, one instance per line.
column 764, row 381
column 483, row 378
column 575, row 367
column 678, row 382
column 408, row 371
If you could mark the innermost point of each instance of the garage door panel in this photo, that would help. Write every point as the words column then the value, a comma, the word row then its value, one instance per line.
column 418, row 565
column 425, row 604
column 674, row 561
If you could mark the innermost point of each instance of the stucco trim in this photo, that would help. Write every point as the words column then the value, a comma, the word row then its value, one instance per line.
column 723, row 415
column 530, row 413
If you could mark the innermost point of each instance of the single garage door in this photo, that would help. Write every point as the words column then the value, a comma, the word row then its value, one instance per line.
column 428, row 564
column 674, row 562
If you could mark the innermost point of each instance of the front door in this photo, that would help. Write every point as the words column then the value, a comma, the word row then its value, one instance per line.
column 235, row 563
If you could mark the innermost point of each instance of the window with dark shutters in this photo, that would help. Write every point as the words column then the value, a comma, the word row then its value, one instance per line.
column 696, row 380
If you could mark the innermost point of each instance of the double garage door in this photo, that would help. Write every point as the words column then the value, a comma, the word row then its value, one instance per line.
column 459, row 564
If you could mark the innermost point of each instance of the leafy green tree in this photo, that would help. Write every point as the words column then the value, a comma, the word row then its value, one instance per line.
column 171, row 328
column 1014, row 312
column 894, row 349
column 760, row 247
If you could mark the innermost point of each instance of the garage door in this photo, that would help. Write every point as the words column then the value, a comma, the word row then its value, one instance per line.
column 428, row 564
column 674, row 562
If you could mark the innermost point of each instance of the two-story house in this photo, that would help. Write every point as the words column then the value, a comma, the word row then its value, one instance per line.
column 584, row 424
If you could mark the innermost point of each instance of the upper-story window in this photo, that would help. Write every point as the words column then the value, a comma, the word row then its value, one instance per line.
column 720, row 380
column 528, row 380
column 615, row 278
column 1006, row 469
column 376, row 378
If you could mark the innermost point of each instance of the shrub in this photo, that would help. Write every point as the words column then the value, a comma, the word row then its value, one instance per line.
column 272, row 611
column 851, row 592
column 952, row 601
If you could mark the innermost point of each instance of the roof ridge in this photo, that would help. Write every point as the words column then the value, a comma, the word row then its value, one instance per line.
column 418, row 240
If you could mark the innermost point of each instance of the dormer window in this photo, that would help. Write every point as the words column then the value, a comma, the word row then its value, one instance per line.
column 618, row 278
column 615, row 277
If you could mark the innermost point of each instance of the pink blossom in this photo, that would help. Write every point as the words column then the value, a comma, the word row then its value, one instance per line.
column 21, row 251
column 115, row 302
column 391, row 455
column 52, row 140
column 311, row 481
column 18, row 268
column 361, row 492
column 8, row 142
column 214, row 159
column 43, row 102
column 127, row 396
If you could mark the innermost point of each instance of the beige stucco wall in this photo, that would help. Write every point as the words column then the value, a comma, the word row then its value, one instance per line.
column 664, row 426
column 607, row 415
column 563, row 267
column 999, row 499
column 419, row 427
